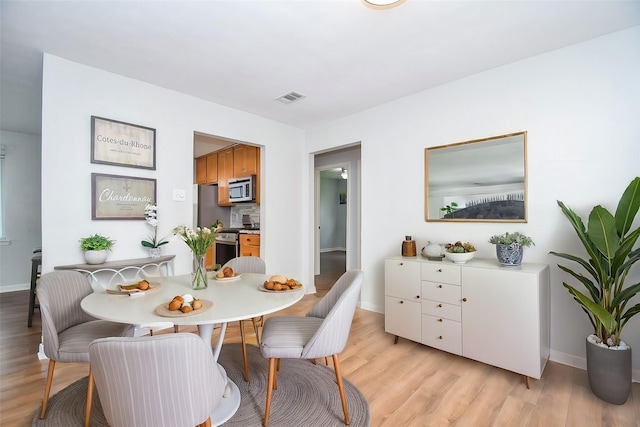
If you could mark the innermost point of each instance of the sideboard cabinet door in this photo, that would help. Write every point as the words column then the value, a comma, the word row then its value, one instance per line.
column 402, row 309
column 505, row 318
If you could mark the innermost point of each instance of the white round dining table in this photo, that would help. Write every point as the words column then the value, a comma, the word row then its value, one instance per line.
column 232, row 299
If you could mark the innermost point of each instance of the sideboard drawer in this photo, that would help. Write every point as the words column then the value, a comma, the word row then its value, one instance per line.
column 442, row 334
column 440, row 309
column 434, row 291
column 441, row 272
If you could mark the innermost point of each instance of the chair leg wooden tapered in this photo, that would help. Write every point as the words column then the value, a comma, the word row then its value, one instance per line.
column 87, row 413
column 336, row 366
column 270, row 383
column 245, row 361
column 257, row 324
column 47, row 388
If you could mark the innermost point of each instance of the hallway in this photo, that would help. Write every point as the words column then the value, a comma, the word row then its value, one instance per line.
column 332, row 266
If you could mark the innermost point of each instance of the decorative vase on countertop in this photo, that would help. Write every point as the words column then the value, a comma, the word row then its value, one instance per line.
column 155, row 252
column 509, row 255
column 433, row 250
column 199, row 278
column 408, row 247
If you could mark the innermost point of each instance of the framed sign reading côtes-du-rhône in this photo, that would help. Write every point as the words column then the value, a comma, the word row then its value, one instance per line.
column 122, row 144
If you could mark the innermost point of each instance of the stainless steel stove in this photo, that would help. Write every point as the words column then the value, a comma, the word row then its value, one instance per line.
column 227, row 246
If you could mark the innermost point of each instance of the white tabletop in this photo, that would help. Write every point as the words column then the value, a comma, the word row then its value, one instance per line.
column 232, row 300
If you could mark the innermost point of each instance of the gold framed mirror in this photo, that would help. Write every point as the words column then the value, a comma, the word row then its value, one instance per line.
column 483, row 180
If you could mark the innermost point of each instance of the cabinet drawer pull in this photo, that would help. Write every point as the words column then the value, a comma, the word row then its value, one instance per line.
column 464, row 299
column 439, row 270
column 440, row 337
column 417, row 296
column 440, row 286
column 401, row 302
column 439, row 320
column 439, row 305
column 402, row 263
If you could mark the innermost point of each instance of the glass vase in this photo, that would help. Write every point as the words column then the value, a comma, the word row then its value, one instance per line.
column 199, row 278
column 154, row 252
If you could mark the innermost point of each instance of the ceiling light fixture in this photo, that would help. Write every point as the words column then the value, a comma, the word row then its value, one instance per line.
column 344, row 174
column 382, row 4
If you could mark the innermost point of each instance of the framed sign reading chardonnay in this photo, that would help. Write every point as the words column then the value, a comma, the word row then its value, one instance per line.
column 120, row 197
column 122, row 144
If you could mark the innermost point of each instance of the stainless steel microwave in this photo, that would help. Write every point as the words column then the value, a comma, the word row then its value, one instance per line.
column 242, row 189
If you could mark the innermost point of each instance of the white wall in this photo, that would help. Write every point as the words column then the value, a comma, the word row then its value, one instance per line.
column 580, row 106
column 73, row 92
column 21, row 181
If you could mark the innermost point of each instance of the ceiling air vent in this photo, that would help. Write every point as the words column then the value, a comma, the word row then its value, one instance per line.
column 290, row 97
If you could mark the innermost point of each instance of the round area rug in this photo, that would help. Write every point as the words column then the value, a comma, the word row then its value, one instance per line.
column 307, row 395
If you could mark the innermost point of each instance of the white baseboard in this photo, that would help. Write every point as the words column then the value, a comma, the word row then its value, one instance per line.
column 371, row 307
column 581, row 363
column 15, row 288
column 333, row 250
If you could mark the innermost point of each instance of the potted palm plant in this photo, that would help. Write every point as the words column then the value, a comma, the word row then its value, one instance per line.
column 609, row 243
column 95, row 248
column 510, row 247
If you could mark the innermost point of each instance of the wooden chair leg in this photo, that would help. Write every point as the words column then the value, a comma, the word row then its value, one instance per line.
column 257, row 324
column 47, row 388
column 244, row 351
column 270, row 387
column 87, row 413
column 207, row 423
column 336, row 366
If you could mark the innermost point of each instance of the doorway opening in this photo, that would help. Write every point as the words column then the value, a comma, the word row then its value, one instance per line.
column 337, row 219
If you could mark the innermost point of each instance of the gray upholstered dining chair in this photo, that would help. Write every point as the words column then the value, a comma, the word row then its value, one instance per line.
column 248, row 264
column 67, row 331
column 162, row 380
column 323, row 332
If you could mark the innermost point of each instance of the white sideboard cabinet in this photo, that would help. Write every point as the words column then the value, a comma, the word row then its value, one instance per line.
column 480, row 310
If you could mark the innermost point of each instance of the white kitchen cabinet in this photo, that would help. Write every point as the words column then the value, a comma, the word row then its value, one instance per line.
column 402, row 298
column 480, row 310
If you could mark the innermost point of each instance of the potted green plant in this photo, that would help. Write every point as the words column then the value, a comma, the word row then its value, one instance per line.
column 609, row 243
column 95, row 248
column 510, row 247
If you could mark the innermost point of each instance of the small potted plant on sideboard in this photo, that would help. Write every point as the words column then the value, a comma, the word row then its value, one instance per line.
column 95, row 248
column 510, row 247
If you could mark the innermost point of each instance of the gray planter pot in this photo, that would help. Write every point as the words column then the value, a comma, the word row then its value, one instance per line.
column 609, row 373
column 509, row 255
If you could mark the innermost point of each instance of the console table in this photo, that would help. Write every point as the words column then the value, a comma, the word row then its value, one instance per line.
column 161, row 266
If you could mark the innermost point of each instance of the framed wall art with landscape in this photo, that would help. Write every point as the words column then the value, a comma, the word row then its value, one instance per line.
column 122, row 144
column 120, row 197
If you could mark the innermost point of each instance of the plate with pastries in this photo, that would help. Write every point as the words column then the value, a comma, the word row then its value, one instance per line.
column 227, row 274
column 279, row 283
column 183, row 305
column 141, row 286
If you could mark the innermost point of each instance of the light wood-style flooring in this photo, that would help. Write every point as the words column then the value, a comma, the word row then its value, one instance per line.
column 407, row 384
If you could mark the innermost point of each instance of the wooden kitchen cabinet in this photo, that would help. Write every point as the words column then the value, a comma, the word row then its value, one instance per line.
column 250, row 245
column 245, row 160
column 479, row 310
column 225, row 172
column 207, row 169
column 201, row 170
